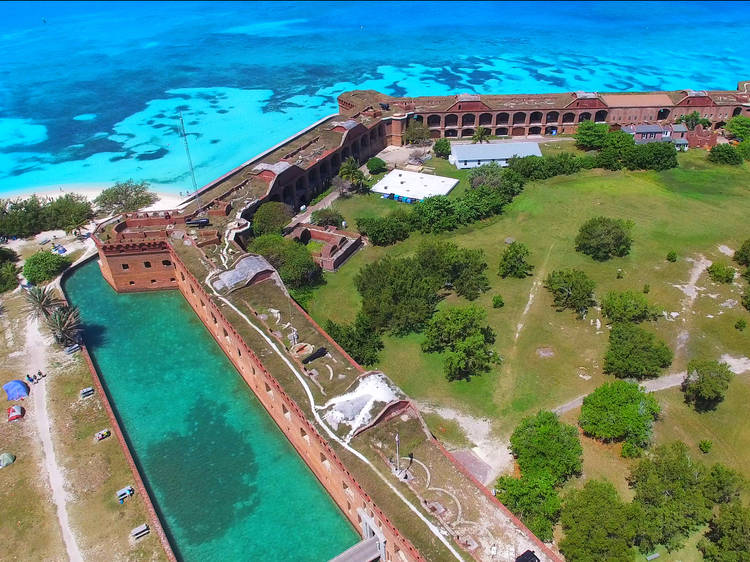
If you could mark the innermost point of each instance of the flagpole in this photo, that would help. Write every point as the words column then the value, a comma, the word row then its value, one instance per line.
column 398, row 457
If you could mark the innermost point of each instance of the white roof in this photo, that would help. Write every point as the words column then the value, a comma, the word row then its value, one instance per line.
column 414, row 185
column 494, row 151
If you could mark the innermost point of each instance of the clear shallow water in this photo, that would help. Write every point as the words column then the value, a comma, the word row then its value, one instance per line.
column 92, row 94
column 229, row 484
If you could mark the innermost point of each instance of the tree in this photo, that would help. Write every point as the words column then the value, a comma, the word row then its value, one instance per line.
column 544, row 445
column 65, row 324
column 291, row 259
column 651, row 156
column 692, row 120
column 8, row 276
column 728, row 535
column 442, row 148
column 376, row 165
column 44, row 266
column 739, row 127
column 468, row 274
column 603, row 237
column 480, row 135
column 468, row 358
column 598, row 525
column 507, row 182
column 42, row 301
column 706, row 383
column 635, row 352
column 513, row 261
column 534, row 500
column 720, row 272
column 590, row 135
column 125, row 197
column 271, row 218
column 722, row 484
column 416, row 132
column 350, row 172
column 384, row 231
column 619, row 411
column 725, row 154
column 571, row 289
column 437, row 214
column 742, row 255
column 360, row 340
column 628, row 306
column 327, row 217
column 669, row 490
column 744, row 149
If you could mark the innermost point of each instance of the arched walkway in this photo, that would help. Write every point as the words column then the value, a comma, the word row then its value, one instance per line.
column 433, row 121
column 519, row 118
column 601, row 116
column 485, row 119
column 502, row 118
column 536, row 117
column 451, row 120
column 553, row 117
column 451, row 133
column 467, row 132
column 502, row 131
column 468, row 119
column 569, row 117
column 585, row 116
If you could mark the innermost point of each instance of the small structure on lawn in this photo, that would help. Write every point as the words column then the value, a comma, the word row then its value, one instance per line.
column 16, row 390
column 334, row 245
column 411, row 187
column 6, row 459
column 465, row 156
column 15, row 413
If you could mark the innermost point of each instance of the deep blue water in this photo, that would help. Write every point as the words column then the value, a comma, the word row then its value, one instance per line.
column 89, row 92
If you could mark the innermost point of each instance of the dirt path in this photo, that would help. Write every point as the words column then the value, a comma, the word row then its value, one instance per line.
column 538, row 280
column 36, row 360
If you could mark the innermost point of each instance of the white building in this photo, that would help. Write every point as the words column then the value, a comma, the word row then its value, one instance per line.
column 473, row 155
column 413, row 186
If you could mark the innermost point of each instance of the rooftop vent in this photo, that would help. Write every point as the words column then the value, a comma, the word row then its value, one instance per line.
column 467, row 97
column 384, row 106
column 586, row 95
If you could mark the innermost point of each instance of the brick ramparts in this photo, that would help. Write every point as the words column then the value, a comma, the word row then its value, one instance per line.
column 322, row 460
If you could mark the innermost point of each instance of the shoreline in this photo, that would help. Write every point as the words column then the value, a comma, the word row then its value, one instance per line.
column 167, row 200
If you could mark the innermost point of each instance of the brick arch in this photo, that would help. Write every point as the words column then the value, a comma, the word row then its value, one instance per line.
column 536, row 117
column 451, row 120
column 433, row 121
column 569, row 117
column 485, row 119
column 585, row 116
column 519, row 118
column 468, row 119
column 502, row 118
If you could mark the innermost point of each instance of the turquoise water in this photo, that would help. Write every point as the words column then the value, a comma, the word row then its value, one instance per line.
column 227, row 483
column 90, row 91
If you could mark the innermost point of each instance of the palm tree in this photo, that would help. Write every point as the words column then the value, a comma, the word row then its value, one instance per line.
column 65, row 324
column 351, row 173
column 42, row 301
column 480, row 135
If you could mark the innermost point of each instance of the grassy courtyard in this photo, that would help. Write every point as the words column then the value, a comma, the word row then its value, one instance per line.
column 552, row 357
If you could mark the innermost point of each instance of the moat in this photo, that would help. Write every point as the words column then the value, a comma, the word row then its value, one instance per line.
column 224, row 479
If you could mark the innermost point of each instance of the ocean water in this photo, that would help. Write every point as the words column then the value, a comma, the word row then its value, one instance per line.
column 90, row 92
column 225, row 480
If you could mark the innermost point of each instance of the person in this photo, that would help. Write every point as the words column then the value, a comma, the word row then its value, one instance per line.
column 35, row 379
column 39, row 374
column 28, row 378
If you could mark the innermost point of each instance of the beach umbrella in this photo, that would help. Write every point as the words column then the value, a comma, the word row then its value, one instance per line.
column 16, row 390
column 6, row 459
column 15, row 413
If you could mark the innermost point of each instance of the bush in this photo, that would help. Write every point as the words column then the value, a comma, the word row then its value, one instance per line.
column 125, row 197
column 727, row 538
column 740, row 325
column 706, row 383
column 672, row 256
column 290, row 258
column 44, row 266
column 376, row 165
column 497, row 301
column 634, row 352
column 646, row 289
column 271, row 218
column 739, row 127
column 360, row 340
column 571, row 289
column 602, row 237
column 725, row 154
column 746, row 299
column 327, row 217
column 442, row 148
column 651, row 156
column 619, row 411
column 742, row 255
column 543, row 445
column 534, row 500
column 591, row 136
column 744, row 149
column 705, row 446
column 721, row 272
column 416, row 132
column 384, row 231
column 26, row 217
column 8, row 269
column 513, row 261
column 628, row 306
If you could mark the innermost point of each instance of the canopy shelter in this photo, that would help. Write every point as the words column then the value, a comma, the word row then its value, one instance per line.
column 16, row 390
column 15, row 413
column 6, row 459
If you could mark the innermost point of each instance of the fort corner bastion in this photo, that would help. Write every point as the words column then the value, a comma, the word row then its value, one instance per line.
column 341, row 419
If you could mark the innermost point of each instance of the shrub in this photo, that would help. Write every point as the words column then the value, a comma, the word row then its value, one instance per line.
column 739, row 127
column 705, row 445
column 651, row 156
column 725, row 154
column 628, row 306
column 744, row 149
column 740, row 325
column 290, row 258
column 727, row 538
column 44, row 266
column 497, row 301
column 571, row 289
column 327, row 217
column 542, row 444
column 376, row 165
column 513, row 261
column 271, row 217
column 384, row 231
column 360, row 340
column 646, row 289
column 746, row 299
column 416, row 132
column 635, row 352
column 721, row 272
column 602, row 237
column 672, row 256
column 442, row 148
column 619, row 411
column 8, row 276
column 590, row 135
column 125, row 197
column 534, row 500
column 742, row 255
column 706, row 383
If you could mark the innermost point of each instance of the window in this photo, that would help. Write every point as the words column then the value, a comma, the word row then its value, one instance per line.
column 172, row 279
column 146, row 264
column 131, row 282
column 286, row 413
column 192, row 290
column 325, row 462
column 304, row 435
column 239, row 352
column 153, row 281
column 182, row 275
column 125, row 266
column 214, row 319
column 166, row 263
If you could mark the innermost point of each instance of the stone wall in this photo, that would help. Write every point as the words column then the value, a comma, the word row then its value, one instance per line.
column 314, row 450
column 137, row 267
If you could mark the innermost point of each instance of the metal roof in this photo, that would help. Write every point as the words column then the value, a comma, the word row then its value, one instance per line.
column 495, row 151
column 648, row 129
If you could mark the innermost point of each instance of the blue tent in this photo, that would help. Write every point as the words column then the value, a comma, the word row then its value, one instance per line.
column 16, row 390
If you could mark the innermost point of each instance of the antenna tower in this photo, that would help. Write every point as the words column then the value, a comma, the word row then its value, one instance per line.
column 190, row 163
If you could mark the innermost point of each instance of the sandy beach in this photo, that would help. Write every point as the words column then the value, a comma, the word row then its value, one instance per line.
column 167, row 200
